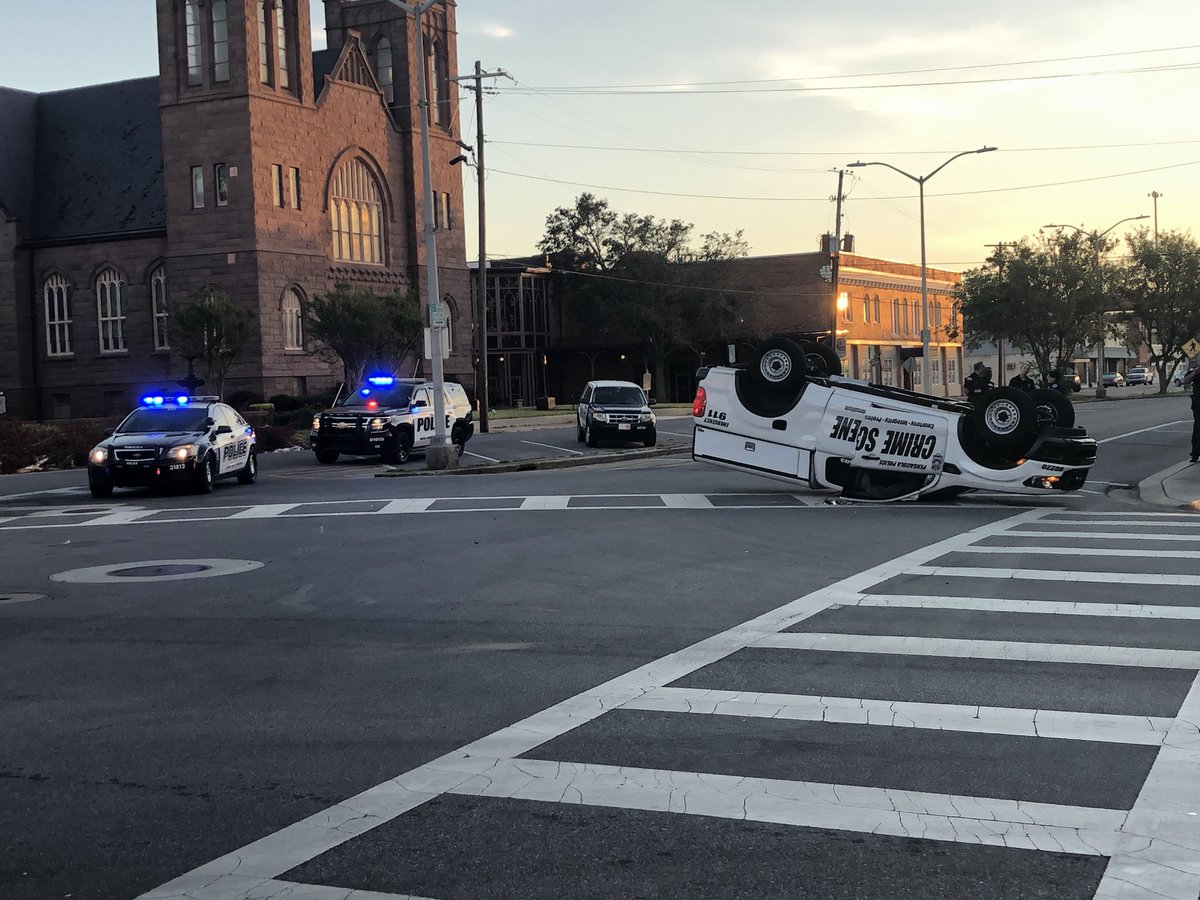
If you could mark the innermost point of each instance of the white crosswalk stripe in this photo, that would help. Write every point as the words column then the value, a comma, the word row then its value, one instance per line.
column 1153, row 842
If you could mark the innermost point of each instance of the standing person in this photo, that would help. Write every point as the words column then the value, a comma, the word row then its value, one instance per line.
column 1190, row 380
column 1022, row 380
column 978, row 382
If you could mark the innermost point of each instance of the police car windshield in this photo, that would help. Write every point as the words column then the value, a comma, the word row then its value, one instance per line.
column 166, row 418
column 390, row 396
column 619, row 396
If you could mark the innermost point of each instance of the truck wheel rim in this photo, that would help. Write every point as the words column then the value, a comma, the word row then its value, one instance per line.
column 776, row 366
column 1002, row 417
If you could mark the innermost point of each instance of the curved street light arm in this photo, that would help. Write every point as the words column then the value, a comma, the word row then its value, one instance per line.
column 956, row 156
column 859, row 165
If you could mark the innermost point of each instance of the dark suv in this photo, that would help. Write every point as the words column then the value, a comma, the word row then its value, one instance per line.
column 617, row 410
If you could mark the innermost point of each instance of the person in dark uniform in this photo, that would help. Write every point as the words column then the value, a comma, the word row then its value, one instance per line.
column 1022, row 380
column 978, row 382
column 1189, row 380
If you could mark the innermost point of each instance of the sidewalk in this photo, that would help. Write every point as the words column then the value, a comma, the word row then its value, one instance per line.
column 1177, row 487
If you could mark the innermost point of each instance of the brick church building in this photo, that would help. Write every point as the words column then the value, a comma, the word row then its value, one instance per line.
column 252, row 165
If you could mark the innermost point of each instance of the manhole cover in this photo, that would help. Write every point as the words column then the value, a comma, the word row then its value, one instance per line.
column 158, row 571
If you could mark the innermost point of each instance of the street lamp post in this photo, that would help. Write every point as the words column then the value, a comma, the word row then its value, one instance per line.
column 920, row 180
column 1095, row 238
column 440, row 454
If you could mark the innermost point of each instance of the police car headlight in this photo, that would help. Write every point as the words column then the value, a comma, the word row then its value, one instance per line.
column 600, row 417
column 316, row 423
column 378, row 424
column 646, row 417
column 183, row 451
column 99, row 455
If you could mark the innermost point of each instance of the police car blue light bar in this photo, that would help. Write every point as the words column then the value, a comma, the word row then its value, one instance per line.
column 381, row 380
column 153, row 400
column 182, row 399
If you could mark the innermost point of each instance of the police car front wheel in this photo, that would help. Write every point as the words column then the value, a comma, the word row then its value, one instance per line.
column 100, row 491
column 206, row 476
column 397, row 449
column 249, row 473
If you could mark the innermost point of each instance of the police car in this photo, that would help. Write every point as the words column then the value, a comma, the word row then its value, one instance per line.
column 790, row 415
column 175, row 439
column 389, row 417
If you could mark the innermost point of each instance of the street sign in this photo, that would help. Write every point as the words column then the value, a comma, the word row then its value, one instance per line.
column 437, row 315
column 1192, row 348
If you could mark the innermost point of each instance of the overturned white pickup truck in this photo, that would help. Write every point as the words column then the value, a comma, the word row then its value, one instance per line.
column 790, row 415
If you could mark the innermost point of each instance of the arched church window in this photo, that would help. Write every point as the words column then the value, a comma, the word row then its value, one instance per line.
column 58, row 316
column 264, row 44
column 110, row 311
column 383, row 69
column 282, row 45
column 158, row 295
column 356, row 215
column 293, row 321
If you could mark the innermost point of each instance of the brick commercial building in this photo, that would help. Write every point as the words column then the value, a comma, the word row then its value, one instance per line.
column 251, row 165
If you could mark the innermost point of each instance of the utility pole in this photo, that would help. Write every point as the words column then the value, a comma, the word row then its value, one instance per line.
column 835, row 252
column 1154, row 195
column 440, row 454
column 999, row 248
column 481, row 368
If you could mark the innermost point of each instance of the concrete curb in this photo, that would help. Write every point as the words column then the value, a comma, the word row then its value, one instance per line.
column 1156, row 489
column 530, row 465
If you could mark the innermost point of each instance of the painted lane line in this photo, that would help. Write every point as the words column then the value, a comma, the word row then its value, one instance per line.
column 418, row 505
column 686, row 501
column 1057, row 575
column 1083, row 517
column 545, row 502
column 675, row 433
column 273, row 889
column 1166, row 861
column 480, row 456
column 552, row 447
column 266, row 511
column 946, row 817
column 963, row 648
column 274, row 854
column 1140, row 553
column 1048, row 607
column 1118, row 437
column 1012, row 721
column 1107, row 536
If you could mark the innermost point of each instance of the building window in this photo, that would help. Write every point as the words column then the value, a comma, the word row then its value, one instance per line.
column 221, row 181
column 197, row 187
column 264, row 44
column 383, row 69
column 220, row 37
column 294, row 185
column 281, row 43
column 435, row 73
column 299, row 385
column 192, row 29
column 356, row 215
column 935, row 370
column 293, row 321
column 866, row 308
column 877, row 317
column 907, row 323
column 916, row 316
column 110, row 311
column 447, row 221
column 277, row 185
column 60, row 406
column 158, row 296
column 895, row 316
column 58, row 316
column 951, row 370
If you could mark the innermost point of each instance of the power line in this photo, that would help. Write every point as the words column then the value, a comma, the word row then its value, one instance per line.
column 973, row 67
column 825, row 199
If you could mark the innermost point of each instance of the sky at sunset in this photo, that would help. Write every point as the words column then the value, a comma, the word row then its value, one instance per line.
column 732, row 121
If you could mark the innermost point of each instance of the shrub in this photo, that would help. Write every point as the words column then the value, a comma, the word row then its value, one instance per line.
column 273, row 437
column 241, row 400
column 41, row 446
column 286, row 402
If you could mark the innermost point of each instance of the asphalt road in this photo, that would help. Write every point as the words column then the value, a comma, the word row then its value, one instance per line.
column 645, row 678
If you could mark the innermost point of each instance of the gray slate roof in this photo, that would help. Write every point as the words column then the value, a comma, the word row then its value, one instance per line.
column 18, row 121
column 99, row 167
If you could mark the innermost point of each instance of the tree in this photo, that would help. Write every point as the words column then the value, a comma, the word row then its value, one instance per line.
column 1159, row 292
column 212, row 328
column 363, row 329
column 1045, row 295
column 635, row 277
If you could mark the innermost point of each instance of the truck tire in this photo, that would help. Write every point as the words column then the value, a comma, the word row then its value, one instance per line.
column 778, row 368
column 1006, row 419
column 457, row 439
column 327, row 457
column 397, row 449
column 822, row 359
column 1053, row 408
